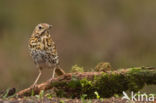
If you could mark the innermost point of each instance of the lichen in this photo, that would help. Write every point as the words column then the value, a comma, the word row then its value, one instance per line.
column 77, row 68
column 103, row 66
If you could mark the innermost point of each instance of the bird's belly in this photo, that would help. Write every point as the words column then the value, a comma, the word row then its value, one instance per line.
column 42, row 59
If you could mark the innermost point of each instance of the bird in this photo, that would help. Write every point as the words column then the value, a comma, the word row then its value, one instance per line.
column 43, row 51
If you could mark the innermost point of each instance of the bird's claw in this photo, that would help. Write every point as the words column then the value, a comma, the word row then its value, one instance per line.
column 33, row 86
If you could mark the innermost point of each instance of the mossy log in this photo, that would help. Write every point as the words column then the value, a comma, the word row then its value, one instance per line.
column 105, row 83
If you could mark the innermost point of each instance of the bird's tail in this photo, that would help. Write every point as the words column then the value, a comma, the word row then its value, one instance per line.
column 59, row 71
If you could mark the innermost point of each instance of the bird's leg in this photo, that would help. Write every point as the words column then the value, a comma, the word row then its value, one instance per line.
column 38, row 77
column 53, row 75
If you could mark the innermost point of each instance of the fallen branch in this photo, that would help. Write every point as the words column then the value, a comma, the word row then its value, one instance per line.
column 106, row 84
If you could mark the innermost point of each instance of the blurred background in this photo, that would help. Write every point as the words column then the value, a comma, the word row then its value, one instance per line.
column 86, row 32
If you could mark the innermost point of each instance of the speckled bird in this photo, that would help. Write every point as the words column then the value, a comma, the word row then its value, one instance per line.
column 43, row 50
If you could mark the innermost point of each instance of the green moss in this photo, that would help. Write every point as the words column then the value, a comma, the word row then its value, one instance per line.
column 107, row 84
column 135, row 79
column 87, row 87
column 60, row 93
column 135, row 69
column 84, row 82
column 74, row 83
column 77, row 68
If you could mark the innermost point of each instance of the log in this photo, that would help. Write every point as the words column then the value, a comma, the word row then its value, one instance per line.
column 105, row 83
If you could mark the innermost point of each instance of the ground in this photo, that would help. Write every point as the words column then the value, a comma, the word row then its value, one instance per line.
column 60, row 100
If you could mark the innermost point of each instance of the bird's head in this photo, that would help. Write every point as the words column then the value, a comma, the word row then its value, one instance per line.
column 41, row 29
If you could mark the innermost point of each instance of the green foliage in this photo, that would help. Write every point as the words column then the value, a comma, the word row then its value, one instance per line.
column 116, row 95
column 97, row 95
column 49, row 96
column 41, row 95
column 32, row 92
column 77, row 68
column 83, row 98
column 6, row 94
column 61, row 101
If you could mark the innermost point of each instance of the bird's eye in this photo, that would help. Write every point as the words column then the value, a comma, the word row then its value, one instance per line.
column 40, row 27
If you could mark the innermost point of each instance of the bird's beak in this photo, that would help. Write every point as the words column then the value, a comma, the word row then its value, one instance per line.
column 50, row 26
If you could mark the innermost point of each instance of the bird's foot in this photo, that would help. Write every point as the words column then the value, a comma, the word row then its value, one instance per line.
column 51, row 79
column 33, row 86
